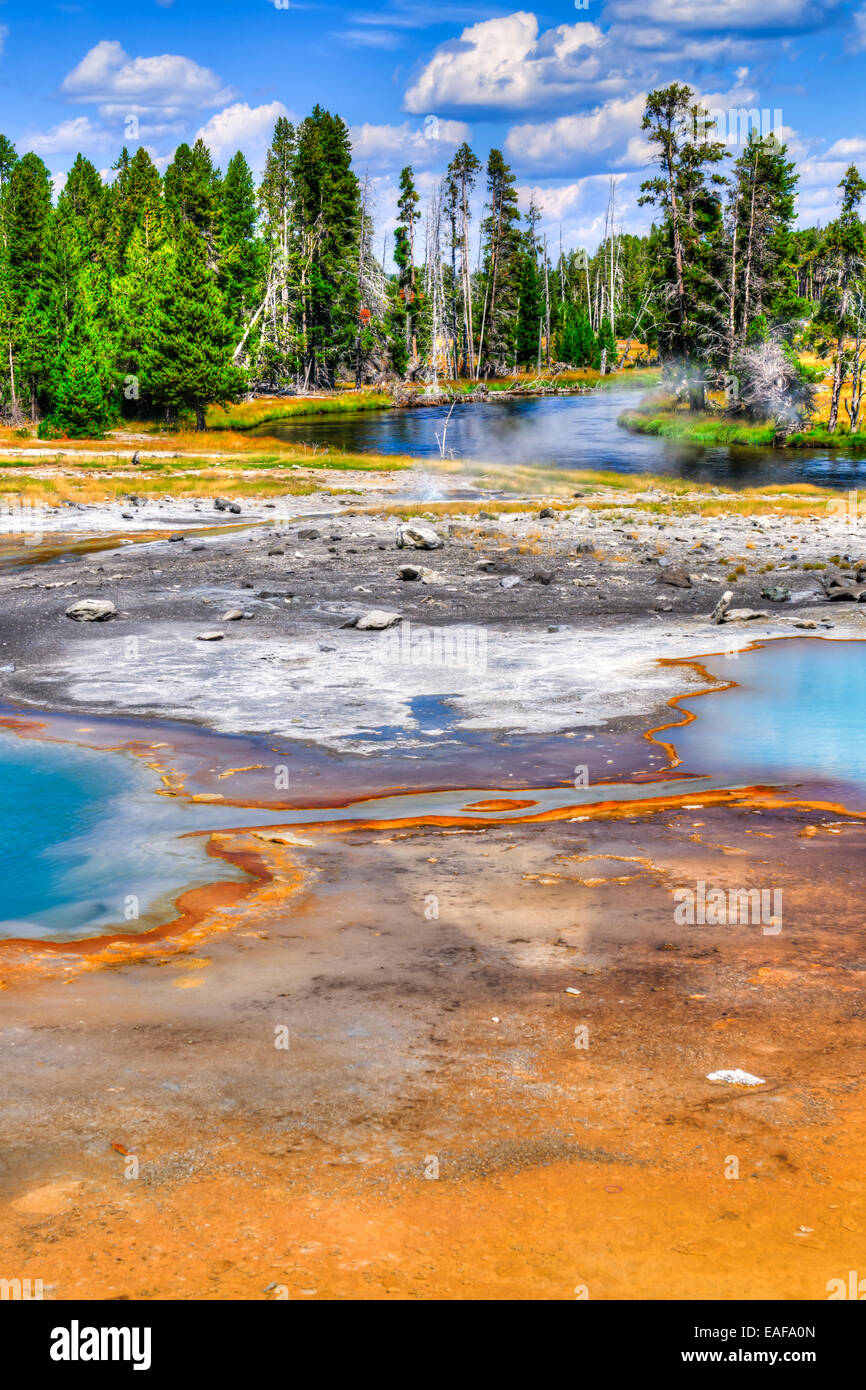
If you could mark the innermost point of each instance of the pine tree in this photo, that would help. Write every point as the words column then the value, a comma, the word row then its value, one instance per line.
column 501, row 267
column 8, row 160
column 84, row 397
column 192, row 192
column 404, row 255
column 399, row 324
column 577, row 342
column 530, row 305
column 846, row 255
column 187, row 361
column 277, row 350
column 760, row 276
column 28, row 221
column 460, row 181
column 605, row 347
column 134, row 199
column 327, row 230
column 136, row 297
column 239, row 253
column 688, row 192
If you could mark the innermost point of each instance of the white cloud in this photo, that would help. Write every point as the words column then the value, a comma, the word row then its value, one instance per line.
column 511, row 64
column 578, row 208
column 571, row 139
column 242, row 127
column 82, row 135
column 66, row 138
column 613, row 129
column 818, row 195
column 856, row 41
column 796, row 146
column 169, row 83
column 821, row 173
column 725, row 16
column 637, row 153
column 506, row 64
column 855, row 148
column 403, row 144
column 368, row 38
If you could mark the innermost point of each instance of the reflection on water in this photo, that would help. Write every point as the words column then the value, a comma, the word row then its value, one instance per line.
column 797, row 713
column 565, row 432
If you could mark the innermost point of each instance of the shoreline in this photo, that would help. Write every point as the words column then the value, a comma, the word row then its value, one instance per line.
column 575, row 382
column 708, row 430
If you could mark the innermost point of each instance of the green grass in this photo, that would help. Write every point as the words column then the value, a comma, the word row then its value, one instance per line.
column 251, row 413
column 188, row 463
column 704, row 428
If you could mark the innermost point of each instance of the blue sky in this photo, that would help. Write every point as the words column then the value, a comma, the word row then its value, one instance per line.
column 559, row 88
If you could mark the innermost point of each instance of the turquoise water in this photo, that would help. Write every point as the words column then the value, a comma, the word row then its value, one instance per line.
column 798, row 713
column 88, row 845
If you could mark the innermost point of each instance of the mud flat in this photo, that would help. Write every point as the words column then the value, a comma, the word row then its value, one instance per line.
column 441, row 1056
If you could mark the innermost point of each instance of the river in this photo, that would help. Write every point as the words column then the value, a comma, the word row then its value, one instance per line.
column 574, row 432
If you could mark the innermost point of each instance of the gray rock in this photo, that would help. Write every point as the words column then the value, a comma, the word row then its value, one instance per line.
column 91, row 610
column 508, row 581
column 375, row 620
column 677, row 578
column 408, row 572
column 776, row 594
column 415, row 535
column 852, row 592
column 721, row 608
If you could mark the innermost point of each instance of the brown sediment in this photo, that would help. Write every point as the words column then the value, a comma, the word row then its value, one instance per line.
column 266, row 1174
